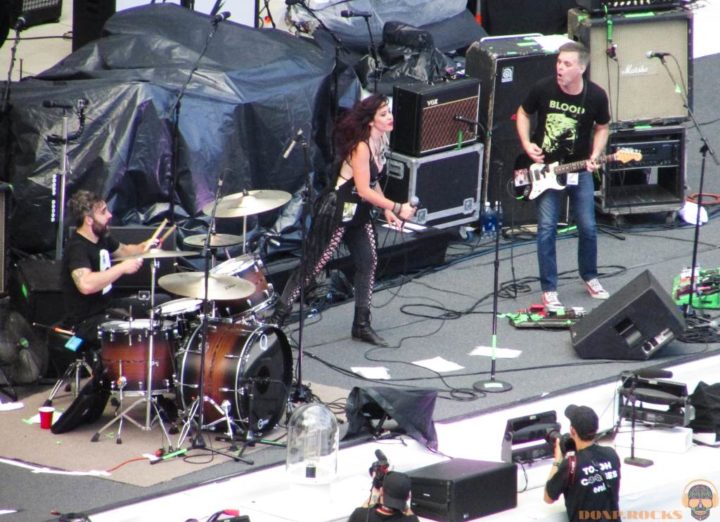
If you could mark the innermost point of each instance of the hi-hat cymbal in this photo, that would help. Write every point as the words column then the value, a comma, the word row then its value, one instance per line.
column 244, row 204
column 216, row 240
column 220, row 288
column 156, row 253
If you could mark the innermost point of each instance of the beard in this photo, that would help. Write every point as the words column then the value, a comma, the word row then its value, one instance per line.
column 99, row 230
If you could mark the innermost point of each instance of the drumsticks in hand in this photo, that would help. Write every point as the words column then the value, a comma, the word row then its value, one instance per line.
column 155, row 235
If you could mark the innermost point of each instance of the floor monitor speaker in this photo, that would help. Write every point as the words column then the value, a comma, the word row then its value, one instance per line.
column 633, row 323
column 640, row 88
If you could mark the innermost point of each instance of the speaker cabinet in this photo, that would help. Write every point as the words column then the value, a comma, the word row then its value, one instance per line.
column 633, row 324
column 507, row 68
column 425, row 116
column 460, row 489
column 640, row 89
column 89, row 16
column 36, row 290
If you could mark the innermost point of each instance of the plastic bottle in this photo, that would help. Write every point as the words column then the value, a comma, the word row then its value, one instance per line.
column 482, row 222
column 498, row 217
column 490, row 222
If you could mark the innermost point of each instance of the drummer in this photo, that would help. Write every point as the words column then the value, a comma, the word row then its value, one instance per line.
column 87, row 271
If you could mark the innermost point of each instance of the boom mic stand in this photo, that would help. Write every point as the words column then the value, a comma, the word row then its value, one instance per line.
column 704, row 149
column 632, row 399
column 492, row 385
column 175, row 111
column 5, row 110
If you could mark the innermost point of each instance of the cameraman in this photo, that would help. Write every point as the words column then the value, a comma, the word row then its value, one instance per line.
column 589, row 476
column 392, row 502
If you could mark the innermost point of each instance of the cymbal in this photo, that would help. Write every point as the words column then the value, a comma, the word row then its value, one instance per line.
column 216, row 240
column 156, row 253
column 192, row 284
column 246, row 204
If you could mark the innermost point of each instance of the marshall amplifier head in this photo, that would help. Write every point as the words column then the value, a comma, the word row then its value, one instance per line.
column 431, row 118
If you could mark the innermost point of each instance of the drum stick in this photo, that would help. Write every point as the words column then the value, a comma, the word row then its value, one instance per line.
column 155, row 235
column 167, row 233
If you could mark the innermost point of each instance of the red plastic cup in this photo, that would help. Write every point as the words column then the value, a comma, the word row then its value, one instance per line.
column 46, row 417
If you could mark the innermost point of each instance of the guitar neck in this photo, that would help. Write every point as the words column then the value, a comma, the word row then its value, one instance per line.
column 579, row 165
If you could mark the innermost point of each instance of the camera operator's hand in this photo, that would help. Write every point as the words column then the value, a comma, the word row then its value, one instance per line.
column 558, row 450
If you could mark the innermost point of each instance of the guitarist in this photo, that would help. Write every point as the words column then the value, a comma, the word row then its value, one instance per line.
column 573, row 123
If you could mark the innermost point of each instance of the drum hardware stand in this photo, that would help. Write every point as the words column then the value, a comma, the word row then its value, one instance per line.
column 57, row 212
column 151, row 406
column 632, row 399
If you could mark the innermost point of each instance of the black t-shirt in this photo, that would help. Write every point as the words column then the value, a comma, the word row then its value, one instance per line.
column 363, row 514
column 595, row 487
column 83, row 253
column 564, row 121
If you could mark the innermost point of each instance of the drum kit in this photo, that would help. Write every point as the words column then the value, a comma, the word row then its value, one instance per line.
column 210, row 346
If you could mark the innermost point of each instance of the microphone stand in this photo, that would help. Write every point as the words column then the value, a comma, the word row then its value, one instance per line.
column 373, row 53
column 335, row 97
column 175, row 111
column 704, row 149
column 632, row 459
column 301, row 393
column 492, row 385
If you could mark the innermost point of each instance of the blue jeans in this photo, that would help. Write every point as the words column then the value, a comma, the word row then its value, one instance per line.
column 582, row 204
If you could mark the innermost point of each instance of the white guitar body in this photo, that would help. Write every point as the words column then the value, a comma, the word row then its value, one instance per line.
column 542, row 178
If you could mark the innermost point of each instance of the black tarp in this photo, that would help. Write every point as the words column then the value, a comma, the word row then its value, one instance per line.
column 250, row 93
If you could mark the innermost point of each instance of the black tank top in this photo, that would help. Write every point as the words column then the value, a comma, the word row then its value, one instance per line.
column 355, row 211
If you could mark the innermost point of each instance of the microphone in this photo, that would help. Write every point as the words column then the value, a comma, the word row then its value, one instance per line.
column 349, row 13
column 657, row 54
column 20, row 23
column 380, row 456
column 293, row 2
column 466, row 120
column 220, row 17
column 50, row 104
column 414, row 202
column 293, row 142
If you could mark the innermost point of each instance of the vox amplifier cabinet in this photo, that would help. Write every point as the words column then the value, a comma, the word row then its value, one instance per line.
column 447, row 185
column 460, row 489
column 639, row 87
column 36, row 12
column 507, row 68
column 425, row 116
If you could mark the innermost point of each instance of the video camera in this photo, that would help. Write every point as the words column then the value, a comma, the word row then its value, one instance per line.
column 566, row 442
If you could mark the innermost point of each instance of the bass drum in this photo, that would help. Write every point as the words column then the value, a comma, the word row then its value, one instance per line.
column 250, row 368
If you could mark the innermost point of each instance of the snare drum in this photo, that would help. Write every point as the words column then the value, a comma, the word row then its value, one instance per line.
column 181, row 311
column 124, row 350
column 249, row 368
column 251, row 269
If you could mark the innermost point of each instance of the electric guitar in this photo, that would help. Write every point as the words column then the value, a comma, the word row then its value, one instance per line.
column 531, row 181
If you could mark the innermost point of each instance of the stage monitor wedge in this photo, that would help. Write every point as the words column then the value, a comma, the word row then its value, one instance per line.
column 632, row 324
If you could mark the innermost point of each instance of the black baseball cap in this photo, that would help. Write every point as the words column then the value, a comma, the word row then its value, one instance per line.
column 583, row 419
column 396, row 490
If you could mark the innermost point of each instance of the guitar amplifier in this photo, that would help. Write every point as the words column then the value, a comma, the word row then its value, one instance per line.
column 602, row 7
column 507, row 68
column 425, row 116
